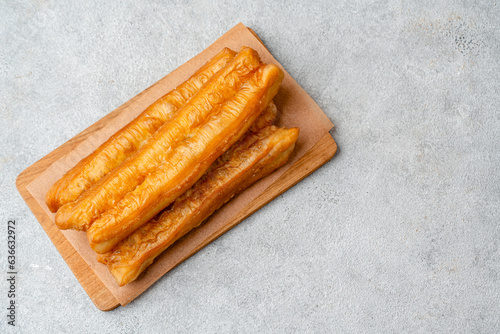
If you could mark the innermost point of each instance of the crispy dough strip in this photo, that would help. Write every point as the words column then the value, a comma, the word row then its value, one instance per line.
column 253, row 158
column 106, row 193
column 130, row 138
column 267, row 118
column 188, row 162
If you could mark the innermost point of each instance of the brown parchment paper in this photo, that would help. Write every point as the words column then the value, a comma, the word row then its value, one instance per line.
column 296, row 109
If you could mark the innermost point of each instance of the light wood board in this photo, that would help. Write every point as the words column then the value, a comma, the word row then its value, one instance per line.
column 319, row 154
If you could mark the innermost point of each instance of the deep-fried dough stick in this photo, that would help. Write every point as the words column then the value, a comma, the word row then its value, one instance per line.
column 188, row 162
column 265, row 119
column 130, row 138
column 106, row 193
column 253, row 158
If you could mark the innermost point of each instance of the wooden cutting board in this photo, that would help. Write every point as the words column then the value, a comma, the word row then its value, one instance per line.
column 101, row 296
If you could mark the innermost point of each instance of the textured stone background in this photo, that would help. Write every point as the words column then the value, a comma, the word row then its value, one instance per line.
column 398, row 233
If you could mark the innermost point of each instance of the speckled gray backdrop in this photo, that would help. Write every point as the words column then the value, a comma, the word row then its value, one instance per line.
column 398, row 233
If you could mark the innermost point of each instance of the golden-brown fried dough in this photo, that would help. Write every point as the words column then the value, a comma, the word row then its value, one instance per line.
column 128, row 140
column 252, row 158
column 107, row 193
column 267, row 118
column 188, row 161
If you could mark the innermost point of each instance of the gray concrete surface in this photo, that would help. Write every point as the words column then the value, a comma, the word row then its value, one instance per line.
column 399, row 233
